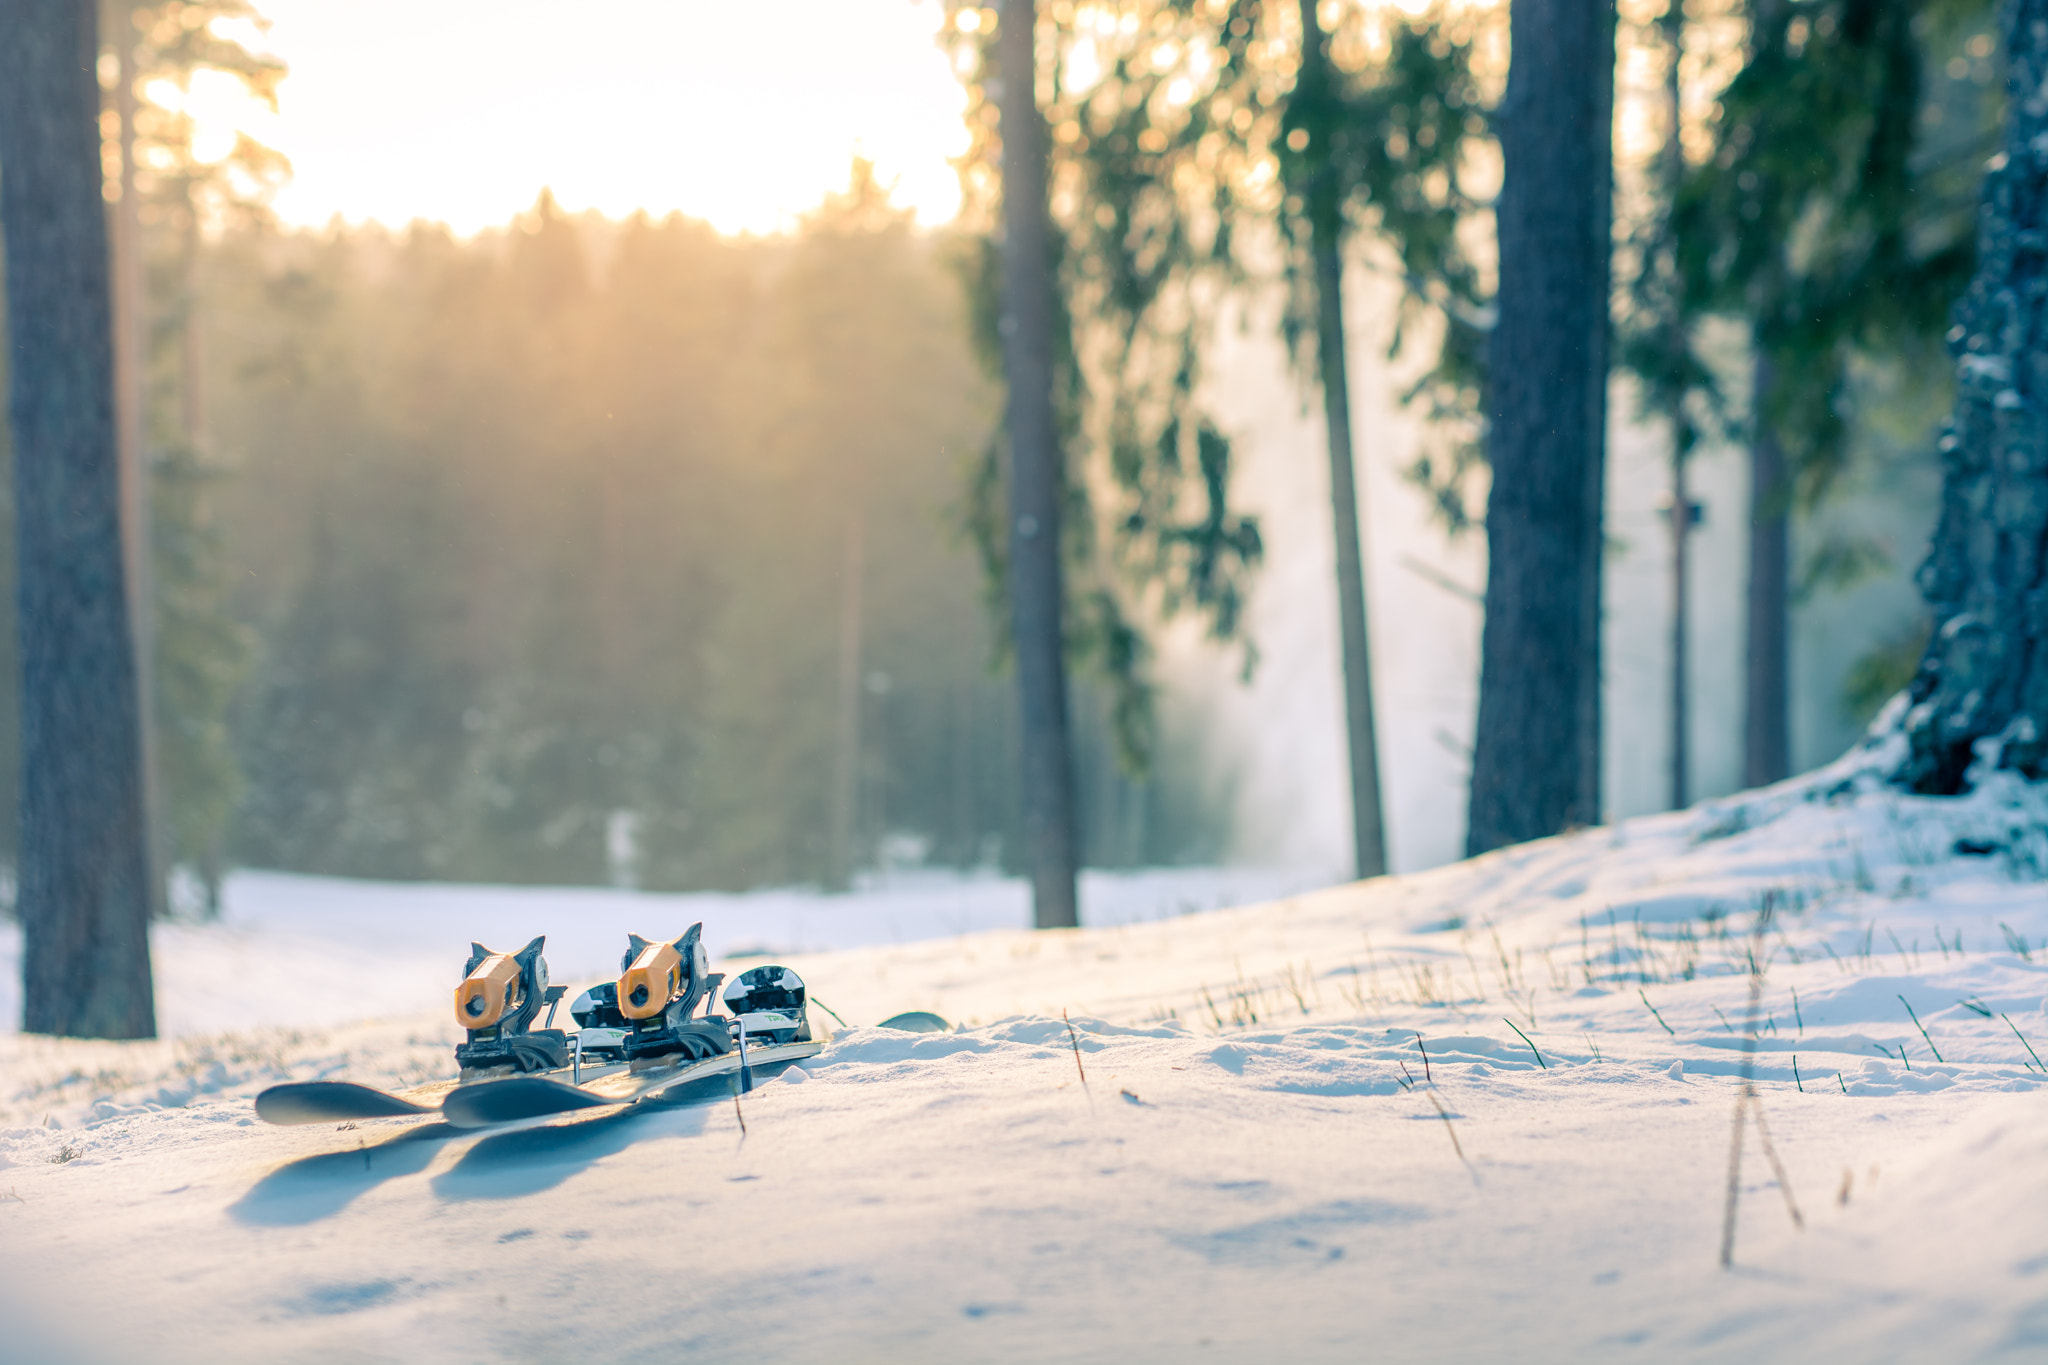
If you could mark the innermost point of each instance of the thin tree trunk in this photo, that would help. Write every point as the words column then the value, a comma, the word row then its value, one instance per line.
column 1766, row 726
column 1326, row 228
column 84, row 871
column 1681, row 653
column 1982, row 690
column 1034, row 568
column 963, row 774
column 1536, row 749
column 131, row 412
column 846, row 753
column 1683, row 515
column 129, row 328
column 1598, row 100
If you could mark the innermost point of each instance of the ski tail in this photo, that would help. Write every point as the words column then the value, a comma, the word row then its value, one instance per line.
column 515, row 1098
column 331, row 1102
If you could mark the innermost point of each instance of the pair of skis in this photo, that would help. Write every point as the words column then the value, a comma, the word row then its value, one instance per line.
column 636, row 1039
column 509, row 1099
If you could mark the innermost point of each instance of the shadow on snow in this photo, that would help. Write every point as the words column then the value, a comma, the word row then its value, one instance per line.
column 505, row 1165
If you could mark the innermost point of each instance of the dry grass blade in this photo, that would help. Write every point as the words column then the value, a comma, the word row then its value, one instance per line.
column 1074, row 1039
column 1922, row 1027
column 1532, row 1047
column 2023, row 1040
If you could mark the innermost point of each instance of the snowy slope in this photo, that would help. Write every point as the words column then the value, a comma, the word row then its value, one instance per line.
column 1260, row 1165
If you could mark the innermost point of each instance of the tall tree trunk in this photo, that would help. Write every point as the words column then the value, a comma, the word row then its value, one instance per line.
column 131, row 415
column 1982, row 689
column 129, row 330
column 1682, row 517
column 964, row 827
column 1684, row 514
column 1766, row 724
column 846, row 751
column 1326, row 229
column 1035, row 473
column 1536, row 750
column 83, row 877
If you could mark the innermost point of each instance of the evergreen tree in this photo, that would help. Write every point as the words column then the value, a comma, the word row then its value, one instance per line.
column 193, row 655
column 1168, row 121
column 1832, row 213
column 1385, row 144
column 1147, row 157
column 1980, row 699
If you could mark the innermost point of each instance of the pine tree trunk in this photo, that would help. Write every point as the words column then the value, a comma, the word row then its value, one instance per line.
column 1982, row 689
column 1536, row 750
column 1681, row 633
column 1766, row 717
column 1671, row 173
column 1326, row 227
column 131, row 403
column 1034, row 569
column 845, row 805
column 83, row 876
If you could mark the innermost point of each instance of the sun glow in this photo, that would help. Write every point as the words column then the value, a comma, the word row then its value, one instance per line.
column 740, row 113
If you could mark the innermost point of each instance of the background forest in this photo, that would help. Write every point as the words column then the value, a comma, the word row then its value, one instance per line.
column 524, row 558
column 584, row 550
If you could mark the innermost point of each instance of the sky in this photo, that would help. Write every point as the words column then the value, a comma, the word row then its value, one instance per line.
column 460, row 111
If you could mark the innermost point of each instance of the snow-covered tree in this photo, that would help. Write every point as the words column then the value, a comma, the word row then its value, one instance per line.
column 1982, row 690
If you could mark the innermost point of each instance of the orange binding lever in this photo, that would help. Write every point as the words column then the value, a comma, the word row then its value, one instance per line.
column 653, row 976
column 489, row 993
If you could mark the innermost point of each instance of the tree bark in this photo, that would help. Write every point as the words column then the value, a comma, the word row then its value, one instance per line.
column 131, row 421
column 1326, row 229
column 1536, row 749
column 845, row 805
column 1684, row 516
column 1681, row 643
column 1035, row 475
column 1766, row 723
column 83, row 876
column 1981, row 695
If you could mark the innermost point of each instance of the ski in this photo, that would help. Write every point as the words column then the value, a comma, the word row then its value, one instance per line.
column 636, row 1038
column 302, row 1102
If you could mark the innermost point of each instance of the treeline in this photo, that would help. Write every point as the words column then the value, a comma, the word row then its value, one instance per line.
column 589, row 550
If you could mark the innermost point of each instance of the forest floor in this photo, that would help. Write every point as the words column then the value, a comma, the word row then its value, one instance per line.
column 1477, row 1114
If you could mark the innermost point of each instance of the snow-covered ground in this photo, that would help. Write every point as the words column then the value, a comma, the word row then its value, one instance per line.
column 1262, row 1164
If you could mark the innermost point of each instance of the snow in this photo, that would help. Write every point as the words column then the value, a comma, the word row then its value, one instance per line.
column 1260, row 1164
